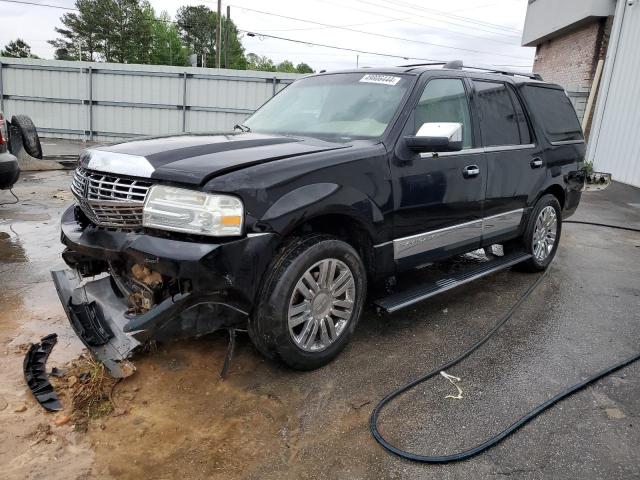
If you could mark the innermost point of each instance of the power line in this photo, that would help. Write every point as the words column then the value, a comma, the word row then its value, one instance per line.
column 439, row 27
column 40, row 4
column 328, row 27
column 381, row 35
column 389, row 55
column 474, row 27
column 448, row 15
column 253, row 33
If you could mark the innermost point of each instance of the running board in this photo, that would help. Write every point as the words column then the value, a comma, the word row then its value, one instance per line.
column 418, row 293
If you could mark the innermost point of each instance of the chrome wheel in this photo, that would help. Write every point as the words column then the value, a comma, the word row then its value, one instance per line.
column 321, row 305
column 544, row 234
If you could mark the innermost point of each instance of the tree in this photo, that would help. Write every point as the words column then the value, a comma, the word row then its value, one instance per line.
column 262, row 63
column 129, row 35
column 17, row 49
column 197, row 26
column 109, row 30
column 83, row 33
column 286, row 66
column 304, row 68
column 234, row 50
column 166, row 45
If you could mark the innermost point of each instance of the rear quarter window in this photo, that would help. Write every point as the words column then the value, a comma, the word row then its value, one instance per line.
column 554, row 112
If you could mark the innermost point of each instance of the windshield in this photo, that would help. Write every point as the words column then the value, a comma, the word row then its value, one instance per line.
column 346, row 105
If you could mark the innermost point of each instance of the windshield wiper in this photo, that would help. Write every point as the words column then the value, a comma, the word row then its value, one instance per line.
column 242, row 128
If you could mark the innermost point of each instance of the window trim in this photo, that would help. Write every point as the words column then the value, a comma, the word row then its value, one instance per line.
column 475, row 142
column 496, row 148
column 511, row 146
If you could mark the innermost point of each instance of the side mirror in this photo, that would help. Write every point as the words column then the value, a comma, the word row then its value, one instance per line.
column 436, row 137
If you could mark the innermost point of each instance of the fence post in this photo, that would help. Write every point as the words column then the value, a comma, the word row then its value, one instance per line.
column 275, row 79
column 1, row 90
column 90, row 103
column 184, row 102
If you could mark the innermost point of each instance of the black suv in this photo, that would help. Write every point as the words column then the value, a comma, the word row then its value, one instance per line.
column 341, row 181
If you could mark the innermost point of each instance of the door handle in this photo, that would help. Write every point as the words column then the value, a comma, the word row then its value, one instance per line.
column 536, row 163
column 470, row 171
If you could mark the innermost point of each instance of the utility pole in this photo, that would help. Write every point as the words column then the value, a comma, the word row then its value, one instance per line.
column 226, row 38
column 219, row 34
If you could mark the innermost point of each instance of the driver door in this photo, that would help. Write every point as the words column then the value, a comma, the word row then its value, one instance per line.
column 438, row 197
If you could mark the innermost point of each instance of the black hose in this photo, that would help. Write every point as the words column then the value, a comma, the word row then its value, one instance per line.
column 458, row 456
column 619, row 227
column 13, row 202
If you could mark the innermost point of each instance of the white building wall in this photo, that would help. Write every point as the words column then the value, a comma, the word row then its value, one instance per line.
column 547, row 18
column 614, row 146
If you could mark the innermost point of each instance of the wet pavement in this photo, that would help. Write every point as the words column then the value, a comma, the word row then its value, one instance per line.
column 175, row 418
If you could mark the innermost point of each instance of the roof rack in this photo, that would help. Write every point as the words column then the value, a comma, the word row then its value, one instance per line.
column 458, row 65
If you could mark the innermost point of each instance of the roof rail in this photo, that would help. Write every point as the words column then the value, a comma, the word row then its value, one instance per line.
column 458, row 65
column 429, row 64
column 533, row 76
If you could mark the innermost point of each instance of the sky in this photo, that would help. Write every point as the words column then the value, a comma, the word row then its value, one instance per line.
column 478, row 32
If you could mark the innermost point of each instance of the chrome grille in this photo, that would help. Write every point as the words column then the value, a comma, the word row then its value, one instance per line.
column 109, row 200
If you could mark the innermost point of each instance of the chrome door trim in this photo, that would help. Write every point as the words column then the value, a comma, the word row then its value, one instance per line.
column 463, row 232
column 502, row 222
column 503, row 148
column 471, row 151
column 468, row 151
column 567, row 142
column 424, row 242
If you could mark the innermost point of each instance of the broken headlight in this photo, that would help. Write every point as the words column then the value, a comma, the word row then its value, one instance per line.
column 191, row 211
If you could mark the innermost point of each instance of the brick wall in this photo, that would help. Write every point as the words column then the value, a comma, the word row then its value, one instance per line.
column 571, row 58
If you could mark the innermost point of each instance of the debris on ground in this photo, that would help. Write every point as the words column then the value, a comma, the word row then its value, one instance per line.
column 35, row 373
column 453, row 381
column 91, row 390
column 62, row 420
column 20, row 409
column 57, row 372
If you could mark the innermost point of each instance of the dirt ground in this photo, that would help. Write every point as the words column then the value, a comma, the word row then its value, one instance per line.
column 175, row 418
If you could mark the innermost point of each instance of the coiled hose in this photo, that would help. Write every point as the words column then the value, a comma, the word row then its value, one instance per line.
column 463, row 455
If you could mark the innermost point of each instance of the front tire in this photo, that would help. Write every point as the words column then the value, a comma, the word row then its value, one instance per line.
column 541, row 236
column 310, row 302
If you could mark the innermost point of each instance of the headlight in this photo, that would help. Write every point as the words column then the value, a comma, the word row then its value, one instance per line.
column 190, row 211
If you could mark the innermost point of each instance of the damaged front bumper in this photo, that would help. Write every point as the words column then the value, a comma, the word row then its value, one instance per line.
column 222, row 279
column 97, row 317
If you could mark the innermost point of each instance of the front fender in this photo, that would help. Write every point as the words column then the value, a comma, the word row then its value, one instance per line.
column 317, row 199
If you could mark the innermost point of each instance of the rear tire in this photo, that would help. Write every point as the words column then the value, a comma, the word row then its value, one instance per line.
column 30, row 139
column 541, row 236
column 310, row 302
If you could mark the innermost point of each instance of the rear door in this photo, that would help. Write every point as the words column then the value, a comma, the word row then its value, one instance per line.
column 515, row 165
column 438, row 197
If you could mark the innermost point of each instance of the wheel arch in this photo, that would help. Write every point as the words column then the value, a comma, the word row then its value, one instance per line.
column 557, row 191
column 328, row 208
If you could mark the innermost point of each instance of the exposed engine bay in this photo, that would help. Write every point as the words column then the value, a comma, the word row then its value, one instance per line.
column 142, row 287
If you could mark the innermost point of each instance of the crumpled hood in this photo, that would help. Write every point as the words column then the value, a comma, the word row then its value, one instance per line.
column 193, row 159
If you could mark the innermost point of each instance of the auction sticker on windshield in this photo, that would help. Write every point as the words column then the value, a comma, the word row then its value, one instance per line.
column 381, row 79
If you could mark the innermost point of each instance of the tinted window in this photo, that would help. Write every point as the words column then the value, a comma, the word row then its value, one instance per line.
column 521, row 119
column 444, row 100
column 554, row 111
column 498, row 117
